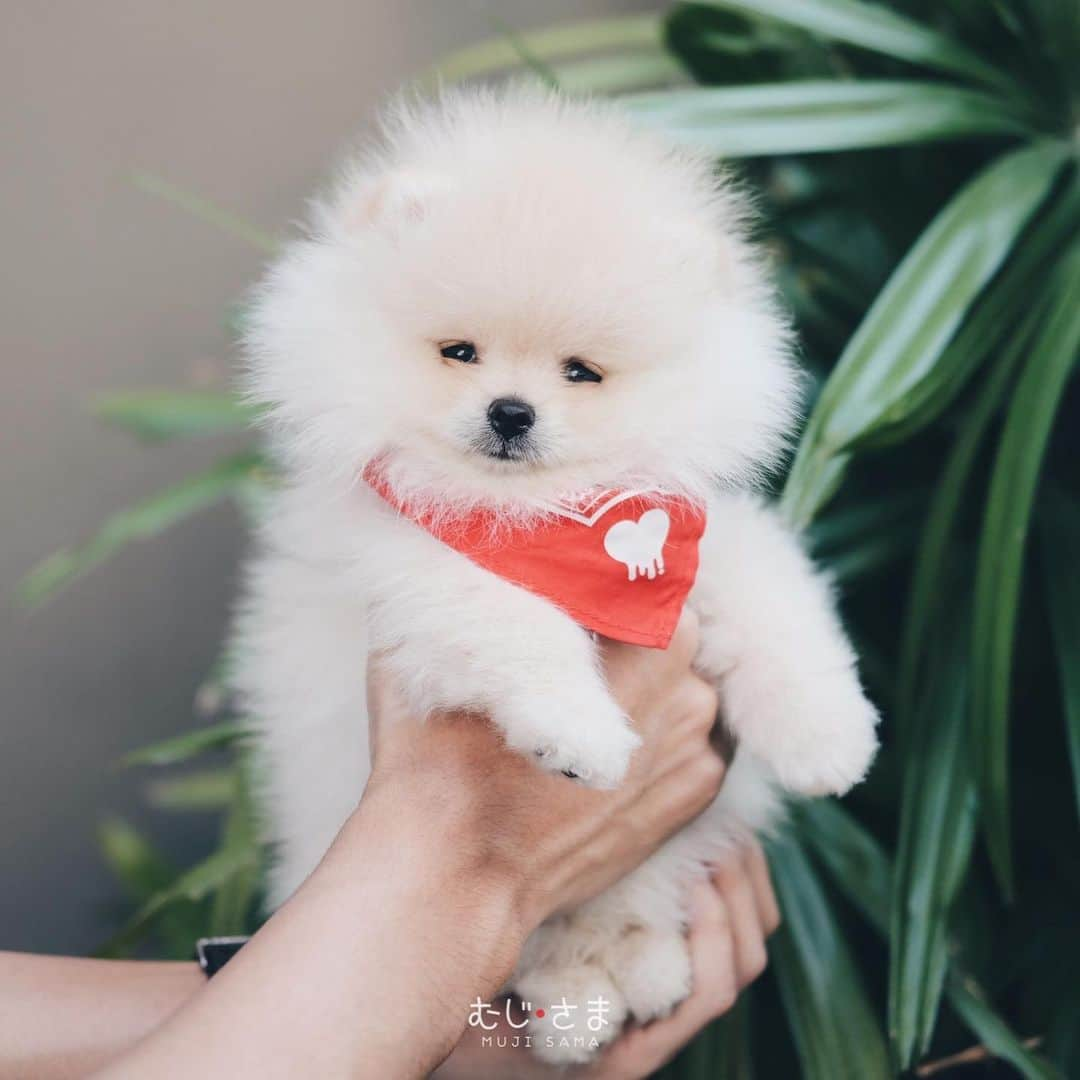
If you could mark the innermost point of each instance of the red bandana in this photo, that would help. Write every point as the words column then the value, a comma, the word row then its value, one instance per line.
column 619, row 563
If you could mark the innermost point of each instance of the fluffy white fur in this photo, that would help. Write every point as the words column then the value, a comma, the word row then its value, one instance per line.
column 539, row 230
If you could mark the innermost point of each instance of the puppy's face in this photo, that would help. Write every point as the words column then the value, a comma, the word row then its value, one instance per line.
column 537, row 353
column 488, row 417
column 526, row 323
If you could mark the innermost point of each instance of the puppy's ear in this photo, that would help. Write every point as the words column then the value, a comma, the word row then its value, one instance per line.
column 394, row 201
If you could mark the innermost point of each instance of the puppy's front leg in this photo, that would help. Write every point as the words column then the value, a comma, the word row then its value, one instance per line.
column 467, row 639
column 772, row 639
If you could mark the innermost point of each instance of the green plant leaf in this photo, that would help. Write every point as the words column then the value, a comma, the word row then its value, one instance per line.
column 200, row 791
column 1059, row 518
column 906, row 331
column 531, row 60
column 184, row 747
column 840, row 530
column 867, row 537
column 143, row 871
column 818, row 116
column 1005, row 302
column 196, row 884
column 503, row 52
column 856, row 861
column 617, row 74
column 830, row 1016
column 874, row 27
column 861, row 870
column 970, row 1003
column 849, row 567
column 161, row 415
column 146, row 519
column 696, row 1061
column 133, row 860
column 1062, row 1044
column 233, row 901
column 731, row 1043
column 927, row 590
column 1000, row 561
column 204, row 210
column 937, row 831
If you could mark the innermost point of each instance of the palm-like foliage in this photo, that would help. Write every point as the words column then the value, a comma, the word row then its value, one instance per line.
column 917, row 164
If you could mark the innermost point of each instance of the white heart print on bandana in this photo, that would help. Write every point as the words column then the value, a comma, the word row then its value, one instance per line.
column 640, row 544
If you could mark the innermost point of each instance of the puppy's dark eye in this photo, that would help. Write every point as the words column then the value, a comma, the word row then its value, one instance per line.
column 576, row 371
column 463, row 351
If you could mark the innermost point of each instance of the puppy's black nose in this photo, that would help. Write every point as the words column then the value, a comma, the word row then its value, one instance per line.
column 510, row 417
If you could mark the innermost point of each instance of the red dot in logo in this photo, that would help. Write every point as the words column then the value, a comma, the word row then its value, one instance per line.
column 540, row 1014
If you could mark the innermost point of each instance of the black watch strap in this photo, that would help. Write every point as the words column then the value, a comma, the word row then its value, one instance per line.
column 213, row 953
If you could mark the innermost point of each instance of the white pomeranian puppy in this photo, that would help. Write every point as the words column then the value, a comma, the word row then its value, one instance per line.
column 516, row 307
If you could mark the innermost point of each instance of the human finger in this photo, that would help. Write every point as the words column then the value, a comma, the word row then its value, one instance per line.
column 757, row 869
column 715, row 978
column 747, row 934
column 639, row 677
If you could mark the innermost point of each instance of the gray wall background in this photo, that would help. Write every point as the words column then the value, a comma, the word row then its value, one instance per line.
column 105, row 287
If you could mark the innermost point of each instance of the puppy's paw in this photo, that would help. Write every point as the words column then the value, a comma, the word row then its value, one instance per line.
column 595, row 762
column 589, row 740
column 652, row 970
column 582, row 1012
column 817, row 735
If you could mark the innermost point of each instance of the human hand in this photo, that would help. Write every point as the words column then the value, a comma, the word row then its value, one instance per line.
column 555, row 843
column 458, row 849
column 732, row 913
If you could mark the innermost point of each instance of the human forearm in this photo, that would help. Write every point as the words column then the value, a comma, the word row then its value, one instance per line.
column 458, row 850
column 405, row 939
column 62, row 1017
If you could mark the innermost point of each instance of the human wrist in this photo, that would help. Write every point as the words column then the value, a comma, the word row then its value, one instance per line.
column 441, row 853
column 402, row 926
